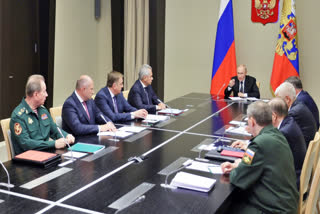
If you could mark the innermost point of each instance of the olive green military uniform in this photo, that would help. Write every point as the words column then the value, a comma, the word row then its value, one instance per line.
column 266, row 175
column 32, row 131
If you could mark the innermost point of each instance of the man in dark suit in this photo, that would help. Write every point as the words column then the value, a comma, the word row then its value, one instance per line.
column 290, row 129
column 304, row 97
column 141, row 94
column 301, row 114
column 80, row 115
column 112, row 103
column 242, row 85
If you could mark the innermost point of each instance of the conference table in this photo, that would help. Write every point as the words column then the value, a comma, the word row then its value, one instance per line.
column 126, row 176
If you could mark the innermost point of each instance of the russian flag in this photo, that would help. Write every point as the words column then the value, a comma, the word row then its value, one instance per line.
column 286, row 58
column 224, row 62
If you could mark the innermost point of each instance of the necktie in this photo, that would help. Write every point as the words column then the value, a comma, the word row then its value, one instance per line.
column 241, row 87
column 86, row 108
column 145, row 91
column 115, row 105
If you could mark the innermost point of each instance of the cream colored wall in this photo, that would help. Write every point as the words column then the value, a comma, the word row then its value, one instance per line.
column 190, row 37
column 82, row 46
column 189, row 42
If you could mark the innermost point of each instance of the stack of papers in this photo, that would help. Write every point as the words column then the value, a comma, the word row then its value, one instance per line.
column 237, row 123
column 236, row 98
column 238, row 130
column 134, row 129
column 205, row 167
column 193, row 182
column 170, row 111
column 153, row 118
column 117, row 134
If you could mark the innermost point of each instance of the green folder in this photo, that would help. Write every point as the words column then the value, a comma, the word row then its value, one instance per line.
column 86, row 147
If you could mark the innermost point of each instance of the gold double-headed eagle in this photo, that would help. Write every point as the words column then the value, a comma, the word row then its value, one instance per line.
column 265, row 8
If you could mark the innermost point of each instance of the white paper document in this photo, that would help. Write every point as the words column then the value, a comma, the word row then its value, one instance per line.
column 206, row 147
column 252, row 98
column 170, row 111
column 204, row 167
column 75, row 154
column 237, row 123
column 153, row 118
column 193, row 182
column 134, row 129
column 215, row 169
column 236, row 98
column 117, row 134
column 238, row 130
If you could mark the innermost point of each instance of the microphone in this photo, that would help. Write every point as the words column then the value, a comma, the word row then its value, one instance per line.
column 185, row 165
column 115, row 132
column 220, row 90
column 171, row 113
column 8, row 185
column 199, row 158
column 59, row 130
column 137, row 200
column 104, row 119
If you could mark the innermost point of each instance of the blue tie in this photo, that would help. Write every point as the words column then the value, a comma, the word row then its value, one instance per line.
column 115, row 105
column 145, row 91
column 241, row 87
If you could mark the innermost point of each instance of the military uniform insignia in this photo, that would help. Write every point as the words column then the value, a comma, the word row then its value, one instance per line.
column 17, row 128
column 30, row 121
column 44, row 116
column 248, row 156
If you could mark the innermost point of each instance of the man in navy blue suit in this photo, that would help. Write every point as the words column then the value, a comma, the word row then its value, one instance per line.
column 242, row 85
column 141, row 94
column 290, row 129
column 112, row 103
column 80, row 115
column 304, row 97
column 301, row 114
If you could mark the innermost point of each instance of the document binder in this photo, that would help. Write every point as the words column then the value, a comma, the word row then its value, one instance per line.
column 39, row 158
column 86, row 147
column 213, row 154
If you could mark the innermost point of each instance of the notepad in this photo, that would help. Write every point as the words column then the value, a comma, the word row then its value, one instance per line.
column 86, row 147
column 193, row 182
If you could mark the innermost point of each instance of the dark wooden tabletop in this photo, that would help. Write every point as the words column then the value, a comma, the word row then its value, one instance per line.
column 92, row 184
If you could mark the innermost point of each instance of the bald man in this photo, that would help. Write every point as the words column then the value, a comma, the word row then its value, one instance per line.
column 80, row 115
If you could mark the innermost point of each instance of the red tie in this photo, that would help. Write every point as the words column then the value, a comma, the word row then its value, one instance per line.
column 86, row 108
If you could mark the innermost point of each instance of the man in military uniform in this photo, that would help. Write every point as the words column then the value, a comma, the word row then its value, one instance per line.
column 31, row 124
column 265, row 175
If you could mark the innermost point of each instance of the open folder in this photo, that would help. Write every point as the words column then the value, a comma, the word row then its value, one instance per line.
column 193, row 182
